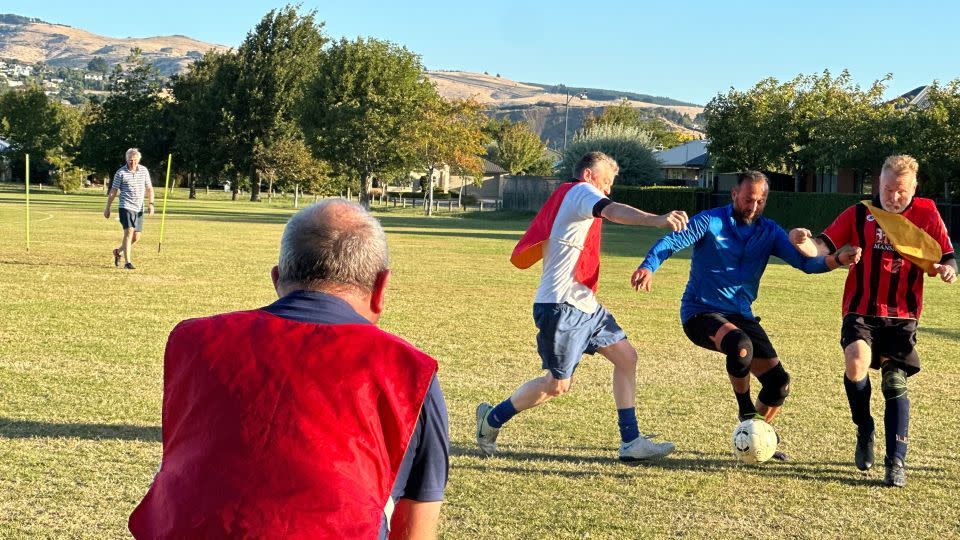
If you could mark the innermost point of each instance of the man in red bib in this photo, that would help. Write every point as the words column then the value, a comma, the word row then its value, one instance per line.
column 566, row 235
column 302, row 419
column 882, row 300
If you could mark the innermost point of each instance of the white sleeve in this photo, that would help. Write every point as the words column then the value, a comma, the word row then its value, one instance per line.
column 585, row 197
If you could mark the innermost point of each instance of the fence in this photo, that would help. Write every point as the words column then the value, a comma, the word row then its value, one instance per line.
column 527, row 192
column 450, row 205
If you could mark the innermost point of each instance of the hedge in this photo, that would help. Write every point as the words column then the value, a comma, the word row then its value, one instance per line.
column 812, row 211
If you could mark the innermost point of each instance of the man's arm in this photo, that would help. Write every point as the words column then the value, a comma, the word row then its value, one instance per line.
column 413, row 520
column 665, row 247
column 807, row 245
column 425, row 469
column 792, row 253
column 150, row 196
column 628, row 215
column 947, row 271
column 112, row 194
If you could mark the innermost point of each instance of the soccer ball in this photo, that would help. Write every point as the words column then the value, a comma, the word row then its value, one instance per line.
column 754, row 441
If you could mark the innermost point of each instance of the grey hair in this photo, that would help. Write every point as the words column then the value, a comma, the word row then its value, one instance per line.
column 591, row 160
column 333, row 243
column 132, row 151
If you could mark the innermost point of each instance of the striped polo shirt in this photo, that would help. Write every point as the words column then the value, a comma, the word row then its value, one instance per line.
column 132, row 186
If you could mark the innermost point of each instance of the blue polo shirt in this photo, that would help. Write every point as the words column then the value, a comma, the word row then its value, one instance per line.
column 423, row 472
column 728, row 260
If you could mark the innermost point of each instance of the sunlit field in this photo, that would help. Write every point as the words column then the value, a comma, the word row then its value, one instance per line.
column 81, row 346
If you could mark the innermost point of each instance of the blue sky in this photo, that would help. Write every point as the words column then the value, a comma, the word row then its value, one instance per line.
column 685, row 50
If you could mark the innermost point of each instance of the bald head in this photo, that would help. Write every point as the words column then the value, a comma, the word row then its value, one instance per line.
column 332, row 245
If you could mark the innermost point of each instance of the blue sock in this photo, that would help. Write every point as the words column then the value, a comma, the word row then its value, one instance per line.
column 627, row 422
column 858, row 396
column 501, row 414
column 896, row 420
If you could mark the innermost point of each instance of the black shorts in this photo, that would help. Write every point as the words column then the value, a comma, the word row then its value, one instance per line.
column 887, row 337
column 129, row 218
column 703, row 326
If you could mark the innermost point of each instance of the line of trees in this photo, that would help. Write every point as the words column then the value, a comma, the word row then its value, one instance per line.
column 289, row 109
column 824, row 122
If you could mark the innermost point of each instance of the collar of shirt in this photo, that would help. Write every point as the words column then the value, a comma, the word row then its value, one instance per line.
column 315, row 307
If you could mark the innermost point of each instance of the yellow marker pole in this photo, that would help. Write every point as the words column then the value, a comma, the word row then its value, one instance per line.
column 166, row 189
column 27, row 183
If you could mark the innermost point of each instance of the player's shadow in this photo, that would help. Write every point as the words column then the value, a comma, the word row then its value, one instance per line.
column 30, row 429
column 949, row 333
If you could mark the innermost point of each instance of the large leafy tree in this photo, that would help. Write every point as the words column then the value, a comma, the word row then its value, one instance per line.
column 133, row 115
column 44, row 128
column 205, row 142
column 932, row 135
column 631, row 147
column 452, row 135
column 519, row 150
column 364, row 111
column 276, row 59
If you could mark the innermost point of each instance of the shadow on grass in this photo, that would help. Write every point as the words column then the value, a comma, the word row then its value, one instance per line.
column 948, row 333
column 108, row 263
column 30, row 429
column 684, row 460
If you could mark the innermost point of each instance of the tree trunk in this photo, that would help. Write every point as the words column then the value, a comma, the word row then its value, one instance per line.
column 430, row 184
column 365, row 190
column 254, row 184
column 192, row 182
column 235, row 187
column 270, row 190
column 296, row 195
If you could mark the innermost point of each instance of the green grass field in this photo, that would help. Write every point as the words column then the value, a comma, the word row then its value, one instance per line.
column 81, row 347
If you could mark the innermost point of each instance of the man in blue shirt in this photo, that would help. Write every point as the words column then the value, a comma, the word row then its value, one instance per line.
column 731, row 247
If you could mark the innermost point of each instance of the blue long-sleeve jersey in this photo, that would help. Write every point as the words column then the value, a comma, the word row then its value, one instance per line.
column 728, row 260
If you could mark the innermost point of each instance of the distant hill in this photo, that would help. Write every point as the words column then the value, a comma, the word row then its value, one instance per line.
column 542, row 106
column 31, row 40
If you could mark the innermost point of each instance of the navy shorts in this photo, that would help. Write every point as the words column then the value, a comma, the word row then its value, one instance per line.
column 129, row 218
column 887, row 338
column 566, row 333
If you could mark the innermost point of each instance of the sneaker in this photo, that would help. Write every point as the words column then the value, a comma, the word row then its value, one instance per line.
column 486, row 435
column 893, row 474
column 130, row 266
column 116, row 257
column 863, row 455
column 643, row 448
column 779, row 455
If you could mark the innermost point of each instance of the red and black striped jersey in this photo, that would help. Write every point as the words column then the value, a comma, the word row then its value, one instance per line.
column 884, row 284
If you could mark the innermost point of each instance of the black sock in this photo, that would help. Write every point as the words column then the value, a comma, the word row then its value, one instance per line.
column 896, row 421
column 858, row 395
column 745, row 405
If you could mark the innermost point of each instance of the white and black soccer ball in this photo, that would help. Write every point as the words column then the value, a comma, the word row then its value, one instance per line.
column 754, row 441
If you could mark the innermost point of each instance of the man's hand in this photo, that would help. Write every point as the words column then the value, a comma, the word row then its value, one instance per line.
column 106, row 212
column 849, row 255
column 676, row 220
column 641, row 279
column 150, row 209
column 799, row 236
column 946, row 272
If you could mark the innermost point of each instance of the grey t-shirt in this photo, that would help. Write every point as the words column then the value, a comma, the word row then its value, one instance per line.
column 132, row 186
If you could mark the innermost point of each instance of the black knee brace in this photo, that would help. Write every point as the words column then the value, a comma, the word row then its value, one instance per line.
column 776, row 386
column 739, row 350
column 894, row 382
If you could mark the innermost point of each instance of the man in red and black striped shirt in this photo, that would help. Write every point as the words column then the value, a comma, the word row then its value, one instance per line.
column 882, row 300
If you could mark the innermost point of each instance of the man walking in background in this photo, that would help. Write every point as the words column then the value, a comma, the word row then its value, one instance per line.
column 132, row 183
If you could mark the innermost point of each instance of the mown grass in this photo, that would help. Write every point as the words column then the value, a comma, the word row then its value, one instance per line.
column 80, row 382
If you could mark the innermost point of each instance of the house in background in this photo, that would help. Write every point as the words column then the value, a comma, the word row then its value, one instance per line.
column 687, row 164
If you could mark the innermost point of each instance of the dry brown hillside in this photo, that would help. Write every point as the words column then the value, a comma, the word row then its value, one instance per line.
column 501, row 92
column 60, row 45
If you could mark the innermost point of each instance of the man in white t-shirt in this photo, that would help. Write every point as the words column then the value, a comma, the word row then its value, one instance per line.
column 566, row 234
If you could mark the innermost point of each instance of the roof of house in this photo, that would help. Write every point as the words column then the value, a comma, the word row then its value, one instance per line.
column 914, row 98
column 490, row 167
column 689, row 154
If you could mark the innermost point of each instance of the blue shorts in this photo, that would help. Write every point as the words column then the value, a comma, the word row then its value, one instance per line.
column 566, row 333
column 131, row 220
